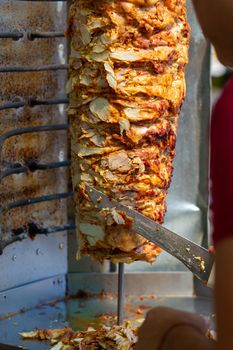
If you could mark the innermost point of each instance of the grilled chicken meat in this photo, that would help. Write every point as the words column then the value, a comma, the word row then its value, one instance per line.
column 126, row 87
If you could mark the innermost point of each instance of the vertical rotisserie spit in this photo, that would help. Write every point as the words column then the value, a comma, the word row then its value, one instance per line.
column 126, row 89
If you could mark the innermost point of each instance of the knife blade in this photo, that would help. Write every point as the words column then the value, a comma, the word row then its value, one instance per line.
column 11, row 347
column 196, row 258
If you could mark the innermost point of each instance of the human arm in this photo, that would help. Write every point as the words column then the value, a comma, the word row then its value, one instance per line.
column 187, row 338
column 221, row 174
column 216, row 18
column 224, row 293
column 169, row 329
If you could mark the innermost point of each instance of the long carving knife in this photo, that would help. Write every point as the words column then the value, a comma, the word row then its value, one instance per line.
column 196, row 258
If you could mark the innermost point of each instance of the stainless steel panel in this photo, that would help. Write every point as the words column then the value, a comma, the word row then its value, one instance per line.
column 44, row 256
column 32, row 294
column 33, row 260
column 164, row 284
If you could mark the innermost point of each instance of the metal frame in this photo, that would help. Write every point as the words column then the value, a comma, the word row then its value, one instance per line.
column 38, row 252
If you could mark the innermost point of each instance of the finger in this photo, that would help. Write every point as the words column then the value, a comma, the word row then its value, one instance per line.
column 211, row 249
column 164, row 317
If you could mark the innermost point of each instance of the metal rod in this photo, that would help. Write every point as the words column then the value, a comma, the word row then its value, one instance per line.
column 12, row 104
column 30, row 201
column 13, row 171
column 43, row 35
column 42, row 128
column 11, row 35
column 23, row 234
column 49, row 102
column 5, row 243
column 54, row 229
column 34, row 102
column 32, row 229
column 121, row 293
column 50, row 67
column 32, row 166
column 16, row 35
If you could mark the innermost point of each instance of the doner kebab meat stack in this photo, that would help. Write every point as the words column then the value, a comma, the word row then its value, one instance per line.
column 126, row 88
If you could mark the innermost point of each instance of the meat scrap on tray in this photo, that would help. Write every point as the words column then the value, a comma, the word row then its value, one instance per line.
column 115, row 337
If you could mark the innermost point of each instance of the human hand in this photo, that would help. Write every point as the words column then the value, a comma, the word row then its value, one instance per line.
column 160, row 322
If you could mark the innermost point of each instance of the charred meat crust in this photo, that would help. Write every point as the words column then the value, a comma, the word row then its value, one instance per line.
column 126, row 87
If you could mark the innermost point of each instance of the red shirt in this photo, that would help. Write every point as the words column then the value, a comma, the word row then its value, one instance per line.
column 221, row 165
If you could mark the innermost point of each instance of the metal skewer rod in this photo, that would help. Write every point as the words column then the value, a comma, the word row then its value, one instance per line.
column 121, row 293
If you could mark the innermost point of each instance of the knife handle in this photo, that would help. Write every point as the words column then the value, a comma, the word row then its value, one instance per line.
column 211, row 279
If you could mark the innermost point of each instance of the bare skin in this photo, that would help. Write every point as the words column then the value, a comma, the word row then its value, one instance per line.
column 216, row 18
column 169, row 329
column 223, row 293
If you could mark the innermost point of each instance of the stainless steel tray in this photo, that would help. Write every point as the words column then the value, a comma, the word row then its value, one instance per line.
column 81, row 313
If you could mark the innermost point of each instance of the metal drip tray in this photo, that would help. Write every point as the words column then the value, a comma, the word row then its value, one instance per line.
column 83, row 312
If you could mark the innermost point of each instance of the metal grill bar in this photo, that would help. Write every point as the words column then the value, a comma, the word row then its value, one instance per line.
column 42, row 35
column 33, row 166
column 33, row 102
column 30, row 201
column 43, row 128
column 18, row 169
column 49, row 102
column 5, row 243
column 9, row 172
column 12, row 104
column 12, row 35
column 21, row 234
column 34, row 230
column 52, row 67
column 16, row 35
